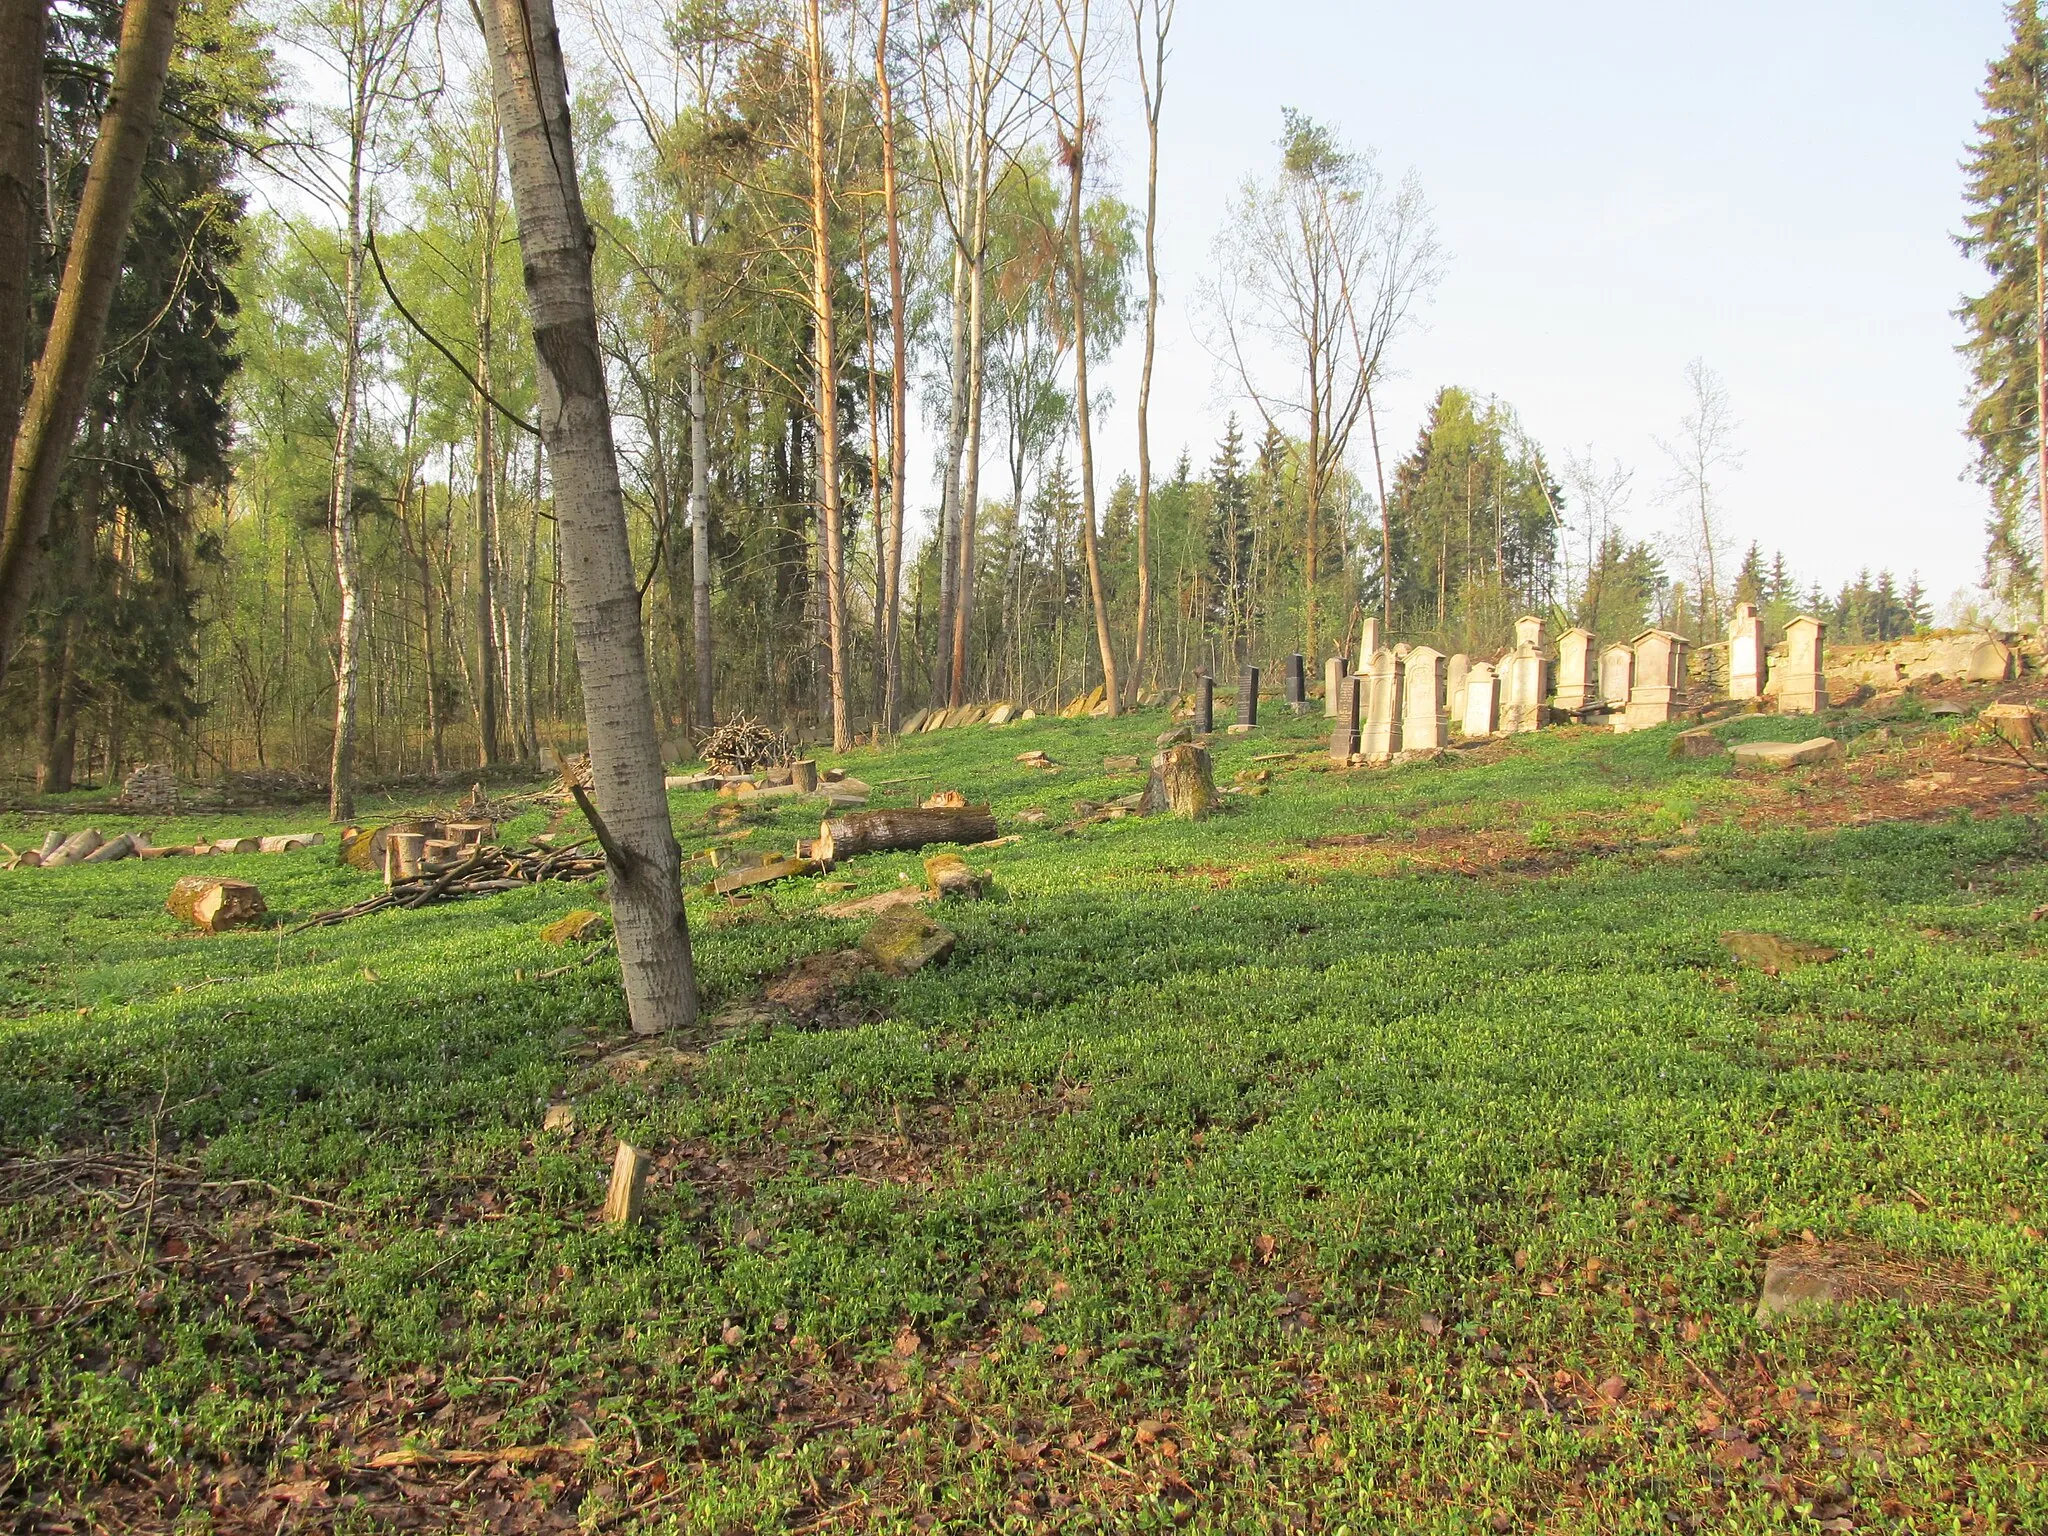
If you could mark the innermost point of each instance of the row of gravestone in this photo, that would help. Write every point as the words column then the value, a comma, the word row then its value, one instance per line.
column 1410, row 698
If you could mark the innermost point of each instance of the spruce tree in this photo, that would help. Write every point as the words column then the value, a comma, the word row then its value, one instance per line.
column 2006, row 190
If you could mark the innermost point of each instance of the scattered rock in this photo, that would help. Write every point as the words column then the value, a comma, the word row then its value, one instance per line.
column 1032, row 817
column 1773, row 952
column 1240, row 729
column 873, row 906
column 1698, row 743
column 1035, row 758
column 560, row 1120
column 1789, row 754
column 904, row 942
column 1947, row 708
column 947, row 874
column 578, row 927
column 816, row 980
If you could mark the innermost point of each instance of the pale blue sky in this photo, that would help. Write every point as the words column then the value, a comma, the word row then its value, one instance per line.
column 1622, row 187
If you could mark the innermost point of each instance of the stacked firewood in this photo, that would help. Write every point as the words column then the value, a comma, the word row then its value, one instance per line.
column 482, row 869
column 743, row 744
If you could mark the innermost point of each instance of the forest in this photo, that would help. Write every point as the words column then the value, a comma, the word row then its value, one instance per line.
column 307, row 529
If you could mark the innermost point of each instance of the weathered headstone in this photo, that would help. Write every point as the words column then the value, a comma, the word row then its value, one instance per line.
column 1248, row 697
column 1368, row 645
column 1802, row 687
column 1423, row 724
column 1525, row 678
column 1745, row 653
column 1455, row 672
column 1482, row 700
column 1530, row 630
column 1333, row 684
column 1617, row 674
column 1382, row 736
column 1205, row 704
column 1297, row 682
column 1659, row 686
column 1344, row 738
column 1576, row 685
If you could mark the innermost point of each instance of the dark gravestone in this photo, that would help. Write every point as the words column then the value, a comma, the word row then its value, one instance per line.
column 1248, row 698
column 1297, row 683
column 1205, row 704
column 1344, row 738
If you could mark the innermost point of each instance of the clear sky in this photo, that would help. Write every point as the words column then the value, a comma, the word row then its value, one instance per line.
column 1623, row 187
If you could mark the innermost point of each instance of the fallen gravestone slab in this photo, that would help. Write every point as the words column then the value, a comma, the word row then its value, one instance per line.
column 1699, row 743
column 1789, row 754
column 947, row 874
column 1773, row 952
column 881, row 902
column 905, row 942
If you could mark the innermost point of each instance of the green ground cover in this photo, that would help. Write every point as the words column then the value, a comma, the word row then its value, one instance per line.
column 1400, row 1150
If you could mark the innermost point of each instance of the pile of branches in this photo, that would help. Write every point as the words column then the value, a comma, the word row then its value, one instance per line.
column 743, row 744
column 481, row 871
column 243, row 787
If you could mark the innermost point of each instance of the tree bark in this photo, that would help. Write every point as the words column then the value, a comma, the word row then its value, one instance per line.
column 2041, row 383
column 489, row 747
column 898, row 385
column 968, row 509
column 92, row 268
column 949, row 484
column 575, row 418
column 21, row 106
column 1076, row 150
column 828, row 386
column 1153, row 87
column 841, row 837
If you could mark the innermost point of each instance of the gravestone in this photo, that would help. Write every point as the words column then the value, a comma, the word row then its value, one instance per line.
column 1297, row 684
column 1368, row 644
column 1576, row 688
column 1659, row 687
column 1350, row 696
column 1524, row 684
column 1530, row 630
column 1482, row 700
column 1617, row 675
column 1205, row 704
column 1455, row 672
column 1803, row 689
column 1423, row 724
column 1248, row 698
column 1333, row 684
column 1745, row 653
column 1382, row 737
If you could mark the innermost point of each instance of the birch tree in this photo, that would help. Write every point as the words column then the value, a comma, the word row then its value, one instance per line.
column 555, row 242
column 1151, row 24
column 1703, row 452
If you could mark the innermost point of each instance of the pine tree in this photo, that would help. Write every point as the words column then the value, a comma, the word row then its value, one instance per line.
column 2007, row 187
column 1751, row 584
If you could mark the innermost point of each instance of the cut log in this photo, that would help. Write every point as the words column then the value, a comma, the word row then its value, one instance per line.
column 175, row 851
column 841, row 837
column 122, row 847
column 52, row 841
column 947, row 874
column 404, row 852
column 216, row 905
column 438, row 851
column 73, row 848
column 945, row 800
column 803, row 773
column 469, row 833
column 629, row 1177
column 28, row 858
column 289, row 842
column 761, row 874
column 1181, row 783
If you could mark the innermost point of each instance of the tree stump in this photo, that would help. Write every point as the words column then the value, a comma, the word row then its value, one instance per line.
column 841, row 837
column 216, row 905
column 803, row 773
column 1181, row 783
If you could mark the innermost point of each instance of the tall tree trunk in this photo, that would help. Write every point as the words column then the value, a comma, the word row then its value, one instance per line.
column 700, row 520
column 427, row 623
column 1153, row 84
column 2041, row 381
column 1372, row 426
column 92, row 268
column 489, row 747
column 898, row 382
column 968, row 509
column 949, row 483
column 879, row 684
column 341, row 513
column 576, row 425
column 834, row 540
column 1077, row 276
column 21, row 107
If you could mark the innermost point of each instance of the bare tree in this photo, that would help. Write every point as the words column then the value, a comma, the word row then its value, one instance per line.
column 1151, row 22
column 1318, row 273
column 576, row 426
column 892, row 575
column 1075, row 126
column 1703, row 452
column 92, row 267
column 826, row 349
column 1601, row 495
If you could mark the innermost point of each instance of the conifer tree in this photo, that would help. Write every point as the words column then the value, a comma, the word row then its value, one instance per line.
column 2007, row 173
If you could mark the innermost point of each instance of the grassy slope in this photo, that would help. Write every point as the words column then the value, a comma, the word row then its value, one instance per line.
column 1340, row 1185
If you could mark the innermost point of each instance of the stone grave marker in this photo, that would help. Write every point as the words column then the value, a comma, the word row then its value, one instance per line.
column 1205, row 704
column 1455, row 672
column 1745, row 653
column 1382, row 736
column 1248, row 698
column 1423, row 725
column 1617, row 674
column 1333, row 684
column 1297, row 683
column 1482, row 700
column 1802, row 687
column 1576, row 685
column 1659, row 686
column 1344, row 740
column 1368, row 645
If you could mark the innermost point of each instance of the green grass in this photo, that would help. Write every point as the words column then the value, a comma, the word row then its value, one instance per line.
column 1220, row 1182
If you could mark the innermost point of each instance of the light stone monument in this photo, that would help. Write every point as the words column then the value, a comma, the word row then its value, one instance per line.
column 1456, row 670
column 1333, row 685
column 1524, row 678
column 1530, row 630
column 1746, row 654
column 1482, row 700
column 1617, row 675
column 1368, row 645
column 1659, row 686
column 1804, row 689
column 1424, row 727
column 1382, row 707
column 1575, row 682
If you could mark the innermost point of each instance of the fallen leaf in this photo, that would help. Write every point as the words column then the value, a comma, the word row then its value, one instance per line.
column 1148, row 1430
column 908, row 1343
column 734, row 1335
column 1265, row 1246
column 307, row 1489
column 1432, row 1325
column 1735, row 1453
column 1614, row 1389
